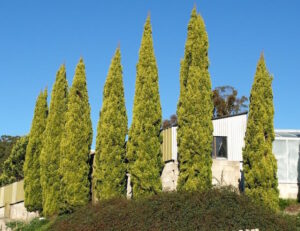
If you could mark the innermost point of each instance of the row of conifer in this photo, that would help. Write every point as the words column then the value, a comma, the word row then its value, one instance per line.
column 56, row 162
column 56, row 166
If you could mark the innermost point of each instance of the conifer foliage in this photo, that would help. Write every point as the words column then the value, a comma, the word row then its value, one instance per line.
column 13, row 165
column 50, row 155
column 32, row 184
column 76, row 143
column 143, row 147
column 109, row 176
column 260, row 166
column 195, row 110
column 6, row 145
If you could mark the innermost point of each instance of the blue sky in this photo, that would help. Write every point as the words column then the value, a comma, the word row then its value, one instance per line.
column 37, row 36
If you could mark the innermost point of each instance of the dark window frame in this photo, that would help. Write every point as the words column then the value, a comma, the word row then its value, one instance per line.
column 214, row 148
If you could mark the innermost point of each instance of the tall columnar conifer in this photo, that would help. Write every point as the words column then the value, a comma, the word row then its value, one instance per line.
column 76, row 143
column 195, row 108
column 109, row 176
column 260, row 166
column 50, row 155
column 32, row 183
column 143, row 147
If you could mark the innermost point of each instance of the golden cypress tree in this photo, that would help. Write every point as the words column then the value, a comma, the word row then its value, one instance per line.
column 195, row 110
column 32, row 183
column 109, row 173
column 143, row 146
column 50, row 155
column 76, row 144
column 260, row 166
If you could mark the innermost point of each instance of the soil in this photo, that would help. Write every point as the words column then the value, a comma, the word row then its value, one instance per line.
column 293, row 209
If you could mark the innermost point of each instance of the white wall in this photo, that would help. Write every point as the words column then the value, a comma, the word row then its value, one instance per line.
column 226, row 172
column 234, row 129
column 174, row 143
column 287, row 151
column 223, row 173
column 2, row 213
column 19, row 212
column 288, row 191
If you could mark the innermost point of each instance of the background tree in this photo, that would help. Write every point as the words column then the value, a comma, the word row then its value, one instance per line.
column 173, row 121
column 195, row 110
column 226, row 102
column 13, row 165
column 6, row 144
column 143, row 147
column 109, row 175
column 260, row 166
column 50, row 155
column 76, row 144
column 32, row 183
column 166, row 124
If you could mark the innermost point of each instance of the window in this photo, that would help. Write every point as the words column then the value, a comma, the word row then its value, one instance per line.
column 219, row 147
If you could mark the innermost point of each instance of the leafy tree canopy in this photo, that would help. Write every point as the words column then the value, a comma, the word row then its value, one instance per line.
column 227, row 102
column 6, row 144
column 167, row 123
column 13, row 165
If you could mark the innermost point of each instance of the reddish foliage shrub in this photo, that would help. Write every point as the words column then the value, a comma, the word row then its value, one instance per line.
column 216, row 209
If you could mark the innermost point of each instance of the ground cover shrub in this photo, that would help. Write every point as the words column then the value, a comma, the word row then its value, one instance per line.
column 34, row 225
column 284, row 203
column 215, row 209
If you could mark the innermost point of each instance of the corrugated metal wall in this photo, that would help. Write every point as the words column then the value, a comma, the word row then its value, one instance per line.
column 233, row 128
column 167, row 144
column 12, row 193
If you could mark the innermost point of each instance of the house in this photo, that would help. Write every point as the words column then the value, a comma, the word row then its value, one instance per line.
column 228, row 143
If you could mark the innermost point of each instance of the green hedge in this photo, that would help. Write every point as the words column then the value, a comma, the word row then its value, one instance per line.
column 216, row 209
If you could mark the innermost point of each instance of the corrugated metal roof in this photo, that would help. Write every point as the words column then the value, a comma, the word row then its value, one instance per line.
column 287, row 133
column 228, row 116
